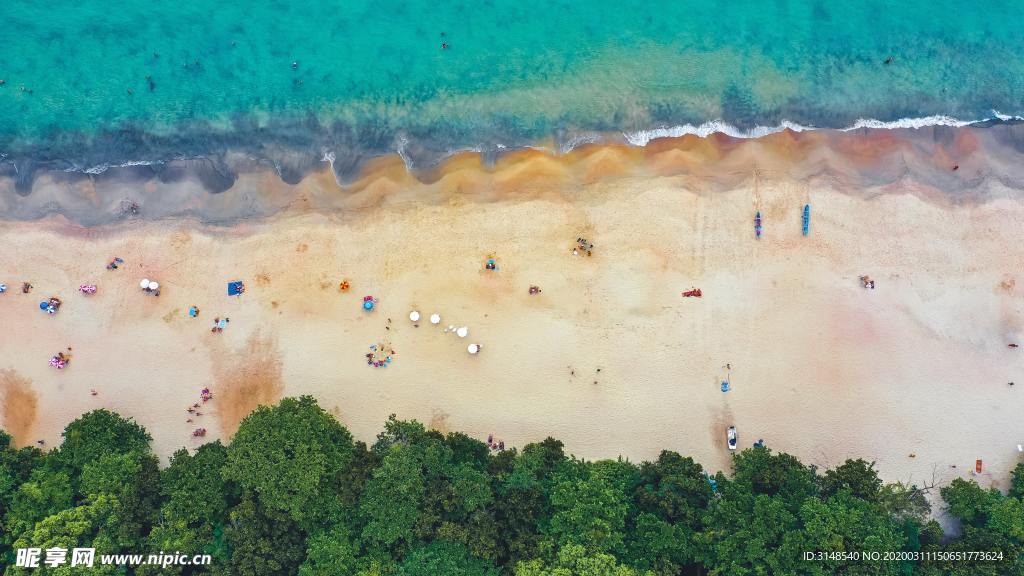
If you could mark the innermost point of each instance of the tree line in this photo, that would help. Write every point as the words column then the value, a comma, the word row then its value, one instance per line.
column 293, row 493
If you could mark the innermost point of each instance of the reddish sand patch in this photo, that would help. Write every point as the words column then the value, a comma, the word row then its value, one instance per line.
column 19, row 406
column 439, row 421
column 251, row 377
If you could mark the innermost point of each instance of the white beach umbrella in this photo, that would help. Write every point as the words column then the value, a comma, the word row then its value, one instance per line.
column 144, row 284
column 414, row 316
column 435, row 318
column 153, row 285
column 473, row 348
column 462, row 332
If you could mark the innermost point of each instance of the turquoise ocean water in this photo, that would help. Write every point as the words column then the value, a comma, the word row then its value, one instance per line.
column 88, row 82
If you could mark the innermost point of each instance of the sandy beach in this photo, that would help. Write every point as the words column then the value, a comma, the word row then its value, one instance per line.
column 609, row 358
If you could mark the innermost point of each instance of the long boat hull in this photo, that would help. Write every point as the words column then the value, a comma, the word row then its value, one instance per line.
column 807, row 219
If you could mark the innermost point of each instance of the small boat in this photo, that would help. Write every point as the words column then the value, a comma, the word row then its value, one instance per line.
column 807, row 219
column 732, row 437
column 757, row 225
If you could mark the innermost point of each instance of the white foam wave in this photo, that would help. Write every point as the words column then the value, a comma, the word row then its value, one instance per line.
column 581, row 139
column 1006, row 117
column 101, row 168
column 644, row 137
column 400, row 149
column 328, row 156
column 913, row 123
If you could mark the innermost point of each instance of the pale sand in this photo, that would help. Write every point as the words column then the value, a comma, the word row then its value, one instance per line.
column 821, row 368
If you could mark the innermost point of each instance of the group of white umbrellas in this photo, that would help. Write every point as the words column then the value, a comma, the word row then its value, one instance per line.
column 147, row 284
column 461, row 331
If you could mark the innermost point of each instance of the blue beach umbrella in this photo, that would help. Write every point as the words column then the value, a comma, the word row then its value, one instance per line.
column 44, row 305
column 368, row 305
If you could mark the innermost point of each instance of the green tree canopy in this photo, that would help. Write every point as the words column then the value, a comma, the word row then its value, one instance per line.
column 99, row 433
column 857, row 476
column 329, row 553
column 134, row 479
column 968, row 501
column 673, row 488
column 193, row 487
column 589, row 510
column 46, row 492
column 263, row 541
column 390, row 505
column 751, row 534
column 94, row 524
column 1017, row 481
column 291, row 455
column 576, row 560
column 293, row 494
column 444, row 557
column 759, row 471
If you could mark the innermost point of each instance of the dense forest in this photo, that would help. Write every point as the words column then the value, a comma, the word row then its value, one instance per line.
column 293, row 493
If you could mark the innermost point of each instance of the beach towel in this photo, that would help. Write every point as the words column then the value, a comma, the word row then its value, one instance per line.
column 235, row 288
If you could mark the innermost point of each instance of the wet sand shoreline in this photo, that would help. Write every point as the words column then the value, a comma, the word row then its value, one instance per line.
column 954, row 165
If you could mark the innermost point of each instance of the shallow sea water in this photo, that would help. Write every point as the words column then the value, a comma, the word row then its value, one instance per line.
column 371, row 75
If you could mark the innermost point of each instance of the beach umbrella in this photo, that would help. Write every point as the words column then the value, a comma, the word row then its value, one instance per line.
column 435, row 318
column 44, row 305
column 153, row 285
column 144, row 284
column 473, row 348
column 368, row 304
column 462, row 332
column 414, row 316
